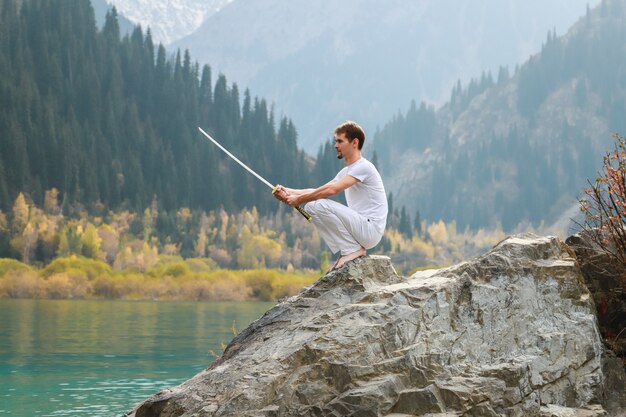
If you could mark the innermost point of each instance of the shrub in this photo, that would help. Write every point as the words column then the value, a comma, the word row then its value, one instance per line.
column 176, row 270
column 260, row 283
column 7, row 264
column 201, row 264
column 163, row 289
column 106, row 286
column 90, row 267
column 604, row 208
column 166, row 259
column 23, row 284
column 286, row 285
column 198, row 290
column 80, row 286
column 133, row 285
column 58, row 286
column 231, row 290
column 272, row 284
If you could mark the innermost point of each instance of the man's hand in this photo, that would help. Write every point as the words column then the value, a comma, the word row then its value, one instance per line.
column 281, row 193
column 293, row 200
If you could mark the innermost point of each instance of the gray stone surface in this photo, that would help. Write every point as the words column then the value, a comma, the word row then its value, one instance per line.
column 510, row 333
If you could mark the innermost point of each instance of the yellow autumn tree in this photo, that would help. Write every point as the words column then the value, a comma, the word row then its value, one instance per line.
column 51, row 201
column 183, row 215
column 256, row 251
column 4, row 224
column 109, row 242
column 202, row 240
column 25, row 242
column 91, row 242
column 70, row 239
column 21, row 213
column 48, row 228
column 438, row 232
column 146, row 222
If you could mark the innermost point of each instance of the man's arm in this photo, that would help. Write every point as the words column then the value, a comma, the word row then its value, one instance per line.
column 329, row 189
column 296, row 191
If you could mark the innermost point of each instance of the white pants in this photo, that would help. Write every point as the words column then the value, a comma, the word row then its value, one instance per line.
column 343, row 229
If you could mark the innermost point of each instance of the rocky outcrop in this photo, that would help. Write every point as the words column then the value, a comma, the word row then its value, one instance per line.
column 606, row 280
column 510, row 333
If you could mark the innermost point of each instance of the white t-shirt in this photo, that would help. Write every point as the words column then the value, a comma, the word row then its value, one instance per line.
column 367, row 197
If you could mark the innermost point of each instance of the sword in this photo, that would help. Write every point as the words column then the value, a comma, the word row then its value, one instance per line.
column 247, row 168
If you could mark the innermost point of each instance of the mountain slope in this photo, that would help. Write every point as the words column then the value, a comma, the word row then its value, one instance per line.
column 518, row 149
column 169, row 20
column 324, row 62
column 101, row 7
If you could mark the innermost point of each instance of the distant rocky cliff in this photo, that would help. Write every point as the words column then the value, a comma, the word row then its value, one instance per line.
column 511, row 333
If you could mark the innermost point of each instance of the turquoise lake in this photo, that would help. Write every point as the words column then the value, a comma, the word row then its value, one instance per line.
column 100, row 358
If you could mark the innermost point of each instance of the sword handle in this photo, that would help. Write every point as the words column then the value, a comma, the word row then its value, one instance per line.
column 303, row 212
column 300, row 209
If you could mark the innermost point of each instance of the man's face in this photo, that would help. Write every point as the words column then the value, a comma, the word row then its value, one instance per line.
column 343, row 145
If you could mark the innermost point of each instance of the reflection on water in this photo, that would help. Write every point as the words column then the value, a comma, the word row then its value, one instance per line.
column 99, row 358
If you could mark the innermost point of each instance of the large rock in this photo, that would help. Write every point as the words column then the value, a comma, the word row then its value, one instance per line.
column 511, row 333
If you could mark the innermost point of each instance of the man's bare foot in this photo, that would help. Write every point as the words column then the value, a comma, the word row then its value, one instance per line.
column 349, row 257
column 332, row 268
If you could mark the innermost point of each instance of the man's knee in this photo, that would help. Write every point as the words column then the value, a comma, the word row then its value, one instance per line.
column 315, row 207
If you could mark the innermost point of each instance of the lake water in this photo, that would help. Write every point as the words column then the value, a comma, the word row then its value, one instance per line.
column 100, row 358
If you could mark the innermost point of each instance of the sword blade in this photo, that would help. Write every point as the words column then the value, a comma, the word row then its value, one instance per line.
column 250, row 170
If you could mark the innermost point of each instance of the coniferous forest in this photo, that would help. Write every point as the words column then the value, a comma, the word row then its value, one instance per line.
column 113, row 121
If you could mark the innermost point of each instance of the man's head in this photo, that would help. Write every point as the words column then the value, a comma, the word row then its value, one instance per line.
column 352, row 131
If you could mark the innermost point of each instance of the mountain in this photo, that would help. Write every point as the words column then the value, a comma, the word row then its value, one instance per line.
column 111, row 122
column 168, row 20
column 326, row 61
column 102, row 7
column 519, row 148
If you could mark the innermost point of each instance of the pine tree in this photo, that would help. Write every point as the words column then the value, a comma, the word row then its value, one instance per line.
column 405, row 223
column 417, row 223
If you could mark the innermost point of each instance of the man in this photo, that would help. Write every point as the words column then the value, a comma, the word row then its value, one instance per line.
column 360, row 226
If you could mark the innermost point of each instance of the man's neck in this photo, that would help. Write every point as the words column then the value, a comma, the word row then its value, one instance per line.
column 353, row 158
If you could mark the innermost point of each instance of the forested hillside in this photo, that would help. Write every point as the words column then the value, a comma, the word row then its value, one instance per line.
column 515, row 148
column 112, row 122
column 100, row 156
column 320, row 66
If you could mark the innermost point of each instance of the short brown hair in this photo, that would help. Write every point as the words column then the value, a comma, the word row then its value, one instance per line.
column 352, row 131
